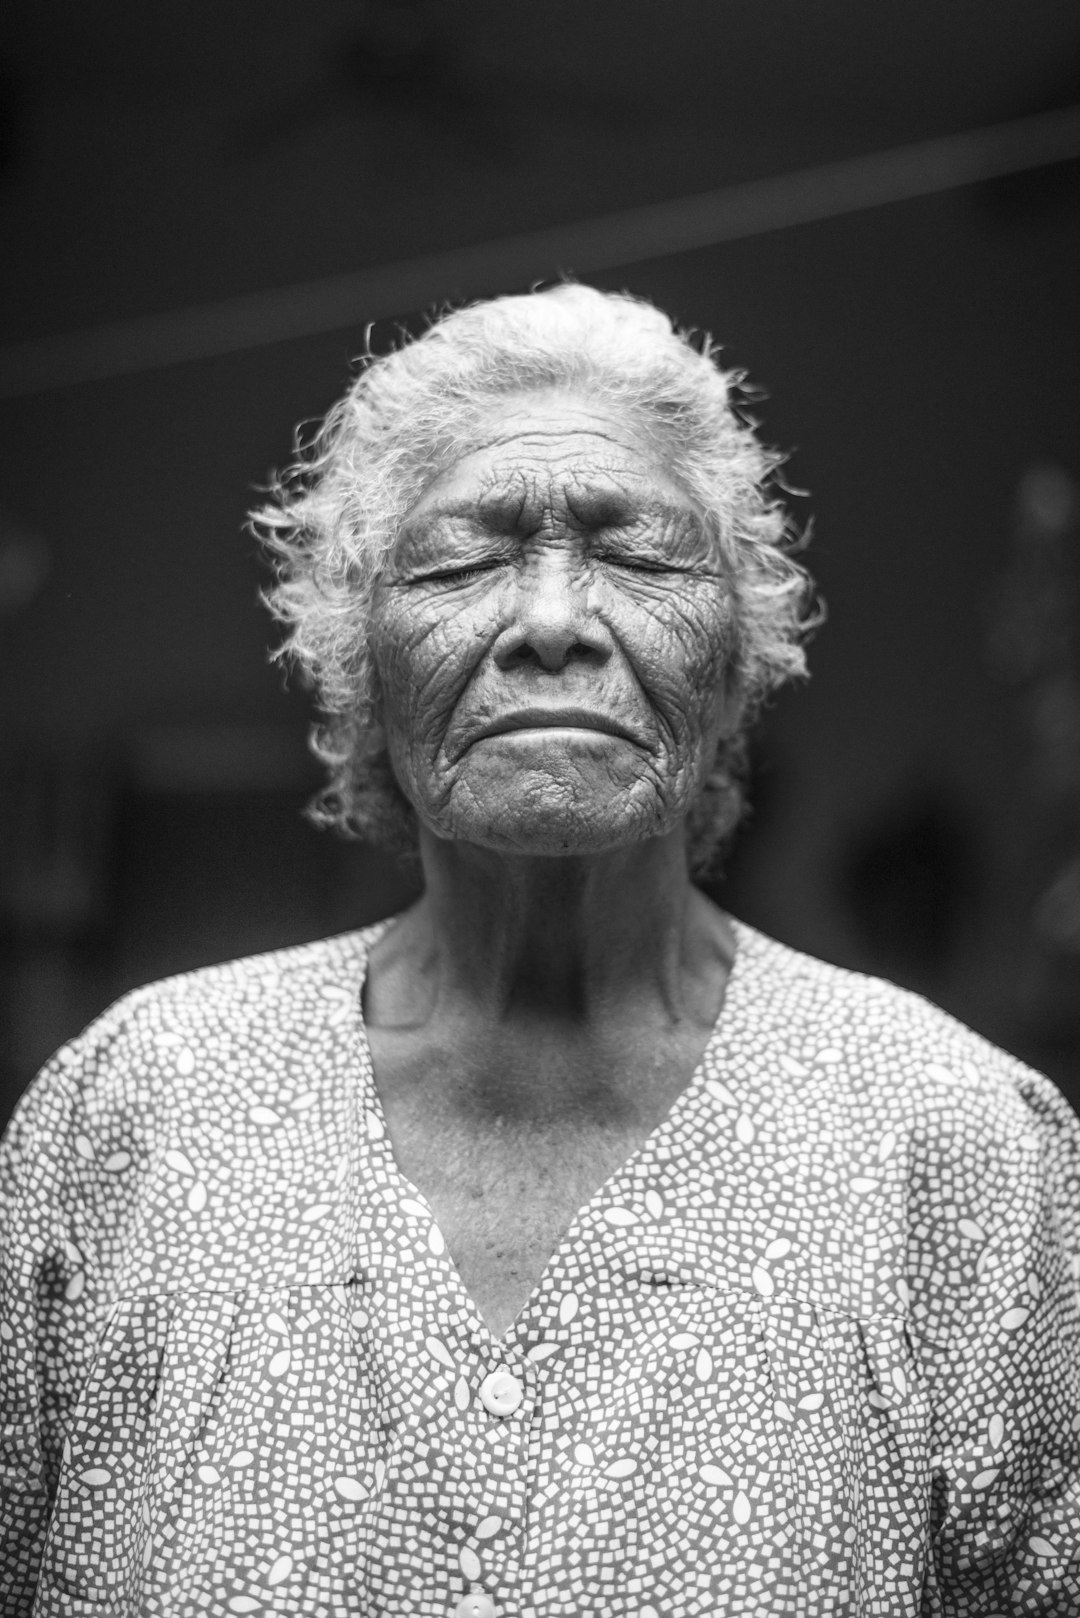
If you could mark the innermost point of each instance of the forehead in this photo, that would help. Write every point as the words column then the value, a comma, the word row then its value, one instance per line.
column 539, row 439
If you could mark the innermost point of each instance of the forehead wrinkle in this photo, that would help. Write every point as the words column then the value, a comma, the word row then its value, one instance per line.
column 569, row 466
column 600, row 440
column 505, row 493
column 625, row 435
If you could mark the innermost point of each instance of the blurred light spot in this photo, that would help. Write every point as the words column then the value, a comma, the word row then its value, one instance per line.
column 25, row 565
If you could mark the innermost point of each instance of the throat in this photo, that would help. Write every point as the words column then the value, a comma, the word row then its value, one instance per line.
column 507, row 1155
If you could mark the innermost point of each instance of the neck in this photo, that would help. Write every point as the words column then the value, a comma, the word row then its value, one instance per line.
column 583, row 940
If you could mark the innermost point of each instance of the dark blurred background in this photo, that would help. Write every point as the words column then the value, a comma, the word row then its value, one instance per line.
column 918, row 803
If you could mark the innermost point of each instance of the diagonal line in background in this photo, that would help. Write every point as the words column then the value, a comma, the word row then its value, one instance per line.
column 611, row 241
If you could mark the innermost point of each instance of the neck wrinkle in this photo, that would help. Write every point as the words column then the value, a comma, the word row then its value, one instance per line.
column 583, row 941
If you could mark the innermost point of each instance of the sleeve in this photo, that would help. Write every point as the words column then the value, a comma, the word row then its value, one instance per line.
column 996, row 1314
column 55, row 1222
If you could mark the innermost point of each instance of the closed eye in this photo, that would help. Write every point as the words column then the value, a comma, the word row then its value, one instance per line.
column 636, row 564
column 629, row 563
column 457, row 575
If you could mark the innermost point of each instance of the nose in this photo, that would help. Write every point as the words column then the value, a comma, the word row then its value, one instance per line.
column 553, row 623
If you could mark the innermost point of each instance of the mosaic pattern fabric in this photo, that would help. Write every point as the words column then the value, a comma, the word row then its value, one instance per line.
column 813, row 1351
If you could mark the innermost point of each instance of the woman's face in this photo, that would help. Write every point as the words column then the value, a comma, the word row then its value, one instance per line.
column 551, row 637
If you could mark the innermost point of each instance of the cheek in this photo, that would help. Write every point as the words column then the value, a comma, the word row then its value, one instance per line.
column 423, row 656
column 685, row 661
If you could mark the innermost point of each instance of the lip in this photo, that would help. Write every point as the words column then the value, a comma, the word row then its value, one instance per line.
column 556, row 719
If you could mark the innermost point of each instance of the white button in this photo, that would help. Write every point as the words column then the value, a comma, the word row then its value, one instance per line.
column 477, row 1605
column 501, row 1393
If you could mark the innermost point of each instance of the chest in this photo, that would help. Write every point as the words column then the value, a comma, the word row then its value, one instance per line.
column 504, row 1198
column 506, row 1180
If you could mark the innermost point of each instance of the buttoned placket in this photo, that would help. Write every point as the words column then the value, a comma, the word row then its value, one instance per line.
column 498, row 1431
column 492, row 1404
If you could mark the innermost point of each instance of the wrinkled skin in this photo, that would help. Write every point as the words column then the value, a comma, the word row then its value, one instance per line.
column 556, row 566
column 534, row 1016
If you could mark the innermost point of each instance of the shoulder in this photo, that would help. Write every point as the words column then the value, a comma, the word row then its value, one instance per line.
column 904, row 1093
column 915, row 1063
column 181, row 1028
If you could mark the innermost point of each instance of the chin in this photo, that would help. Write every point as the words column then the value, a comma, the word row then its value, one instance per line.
column 558, row 830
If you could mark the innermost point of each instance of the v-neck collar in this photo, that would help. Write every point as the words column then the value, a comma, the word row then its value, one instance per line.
column 685, row 1104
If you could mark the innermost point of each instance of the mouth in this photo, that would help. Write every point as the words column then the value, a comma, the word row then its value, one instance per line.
column 557, row 719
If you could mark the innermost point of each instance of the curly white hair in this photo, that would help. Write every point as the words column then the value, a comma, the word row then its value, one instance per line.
column 331, row 519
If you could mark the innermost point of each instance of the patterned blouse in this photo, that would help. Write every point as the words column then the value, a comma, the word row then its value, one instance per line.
column 813, row 1350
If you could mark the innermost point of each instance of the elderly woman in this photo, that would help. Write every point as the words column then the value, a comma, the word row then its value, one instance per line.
column 561, row 1246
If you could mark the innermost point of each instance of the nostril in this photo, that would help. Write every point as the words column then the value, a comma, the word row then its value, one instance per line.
column 550, row 640
column 553, row 653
